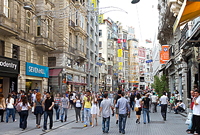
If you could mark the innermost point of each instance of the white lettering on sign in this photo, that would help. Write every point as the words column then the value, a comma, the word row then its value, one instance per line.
column 8, row 65
column 36, row 70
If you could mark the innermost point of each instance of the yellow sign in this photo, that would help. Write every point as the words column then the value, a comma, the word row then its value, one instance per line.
column 119, row 52
column 101, row 19
column 120, row 65
column 94, row 4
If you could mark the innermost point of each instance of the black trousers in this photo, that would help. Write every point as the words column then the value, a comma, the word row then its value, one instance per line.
column 1, row 114
column 163, row 110
column 195, row 124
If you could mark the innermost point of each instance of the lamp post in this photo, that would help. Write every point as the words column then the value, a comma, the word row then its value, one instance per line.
column 135, row 1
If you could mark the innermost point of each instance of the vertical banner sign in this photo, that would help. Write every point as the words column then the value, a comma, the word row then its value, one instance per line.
column 161, row 58
column 120, row 65
column 165, row 52
column 119, row 52
column 101, row 19
column 94, row 4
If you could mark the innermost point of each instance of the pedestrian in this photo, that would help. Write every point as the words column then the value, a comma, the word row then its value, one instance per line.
column 29, row 95
column 77, row 102
column 38, row 109
column 196, row 114
column 64, row 106
column 10, row 108
column 48, row 104
column 192, row 104
column 117, row 97
column 99, row 98
column 71, row 100
column 94, row 109
column 24, row 107
column 180, row 107
column 132, row 100
column 138, row 104
column 105, row 107
column 123, row 106
column 44, row 96
column 145, row 102
column 154, row 100
column 87, row 108
column 112, row 97
column 19, row 110
column 172, row 100
column 164, row 102
column 82, row 97
column 57, row 104
column 2, row 106
column 34, row 96
column 177, row 96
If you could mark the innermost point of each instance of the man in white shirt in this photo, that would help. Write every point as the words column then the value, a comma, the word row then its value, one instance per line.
column 154, row 100
column 164, row 102
column 196, row 114
column 34, row 96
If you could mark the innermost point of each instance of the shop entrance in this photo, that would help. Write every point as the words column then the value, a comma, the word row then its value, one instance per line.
column 33, row 85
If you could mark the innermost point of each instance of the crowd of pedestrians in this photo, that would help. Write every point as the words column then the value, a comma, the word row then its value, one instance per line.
column 89, row 105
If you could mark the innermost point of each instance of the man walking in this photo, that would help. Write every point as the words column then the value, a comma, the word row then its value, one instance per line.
column 164, row 102
column 87, row 108
column 117, row 97
column 64, row 106
column 48, row 104
column 123, row 105
column 154, row 100
column 145, row 102
column 106, row 104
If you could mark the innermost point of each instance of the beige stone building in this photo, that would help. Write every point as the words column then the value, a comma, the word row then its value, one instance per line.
column 25, row 41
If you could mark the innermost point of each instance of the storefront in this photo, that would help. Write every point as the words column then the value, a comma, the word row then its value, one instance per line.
column 9, row 71
column 36, row 76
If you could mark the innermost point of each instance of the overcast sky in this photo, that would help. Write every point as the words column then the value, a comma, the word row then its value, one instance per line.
column 144, row 20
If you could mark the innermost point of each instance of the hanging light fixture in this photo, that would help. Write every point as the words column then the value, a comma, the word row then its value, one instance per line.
column 134, row 1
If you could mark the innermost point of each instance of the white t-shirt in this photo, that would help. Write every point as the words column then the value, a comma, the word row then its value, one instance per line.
column 154, row 98
column 24, row 108
column 196, row 108
column 34, row 97
column 10, row 105
column 78, row 103
column 163, row 99
column 137, row 102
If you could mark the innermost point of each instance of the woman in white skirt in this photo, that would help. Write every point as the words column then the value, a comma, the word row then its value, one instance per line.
column 94, row 109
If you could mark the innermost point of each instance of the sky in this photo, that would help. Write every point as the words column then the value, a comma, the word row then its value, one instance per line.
column 143, row 16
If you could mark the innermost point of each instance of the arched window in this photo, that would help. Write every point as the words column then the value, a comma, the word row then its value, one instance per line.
column 6, row 9
column 38, row 33
column 28, row 22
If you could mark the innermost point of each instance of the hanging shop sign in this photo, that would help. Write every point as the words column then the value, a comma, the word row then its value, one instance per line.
column 37, row 70
column 101, row 19
column 9, row 65
column 119, row 52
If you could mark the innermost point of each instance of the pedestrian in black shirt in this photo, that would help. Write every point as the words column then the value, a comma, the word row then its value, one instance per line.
column 117, row 97
column 48, row 104
column 145, row 102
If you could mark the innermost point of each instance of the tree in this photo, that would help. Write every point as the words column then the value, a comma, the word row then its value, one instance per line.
column 160, row 84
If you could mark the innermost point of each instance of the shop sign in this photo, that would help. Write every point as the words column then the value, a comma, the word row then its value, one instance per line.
column 9, row 65
column 37, row 70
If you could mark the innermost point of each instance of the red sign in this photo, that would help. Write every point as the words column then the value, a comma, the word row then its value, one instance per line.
column 124, row 40
column 119, row 41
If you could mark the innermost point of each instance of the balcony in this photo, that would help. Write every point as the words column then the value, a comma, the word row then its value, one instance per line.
column 71, row 49
column 7, row 26
column 80, row 55
column 72, row 24
column 44, row 44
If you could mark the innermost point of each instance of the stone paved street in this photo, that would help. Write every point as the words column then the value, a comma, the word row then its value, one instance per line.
column 175, row 125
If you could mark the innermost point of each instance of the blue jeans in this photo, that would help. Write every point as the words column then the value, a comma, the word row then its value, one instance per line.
column 10, row 112
column 63, row 110
column 57, row 113
column 23, row 119
column 133, row 105
column 122, row 120
column 105, row 124
column 87, row 113
column 190, row 126
column 46, row 114
column 82, row 112
column 146, row 111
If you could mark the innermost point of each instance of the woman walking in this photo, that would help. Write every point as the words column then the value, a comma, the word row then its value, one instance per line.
column 57, row 104
column 94, row 109
column 77, row 102
column 138, row 102
column 10, row 108
column 172, row 100
column 38, row 109
column 24, row 107
column 2, row 106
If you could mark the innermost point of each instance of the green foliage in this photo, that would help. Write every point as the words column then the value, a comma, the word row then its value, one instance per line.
column 160, row 84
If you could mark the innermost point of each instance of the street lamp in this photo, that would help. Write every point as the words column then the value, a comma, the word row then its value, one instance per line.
column 134, row 1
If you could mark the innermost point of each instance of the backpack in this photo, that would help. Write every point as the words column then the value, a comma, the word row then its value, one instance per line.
column 18, row 107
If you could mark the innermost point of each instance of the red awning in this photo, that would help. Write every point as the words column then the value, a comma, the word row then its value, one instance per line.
column 76, row 83
column 54, row 72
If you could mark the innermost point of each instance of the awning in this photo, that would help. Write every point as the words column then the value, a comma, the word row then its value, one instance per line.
column 76, row 83
column 189, row 11
column 54, row 72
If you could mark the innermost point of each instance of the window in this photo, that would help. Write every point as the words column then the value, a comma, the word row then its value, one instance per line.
column 48, row 26
column 100, row 33
column 80, row 20
column 70, row 39
column 76, row 42
column 40, row 58
column 39, row 26
column 15, row 52
column 76, row 18
column 147, row 56
column 83, row 45
column 51, row 61
column 28, row 55
column 83, row 22
column 100, row 44
column 69, row 63
column 80, row 42
column 2, row 48
column 6, row 9
column 28, row 22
